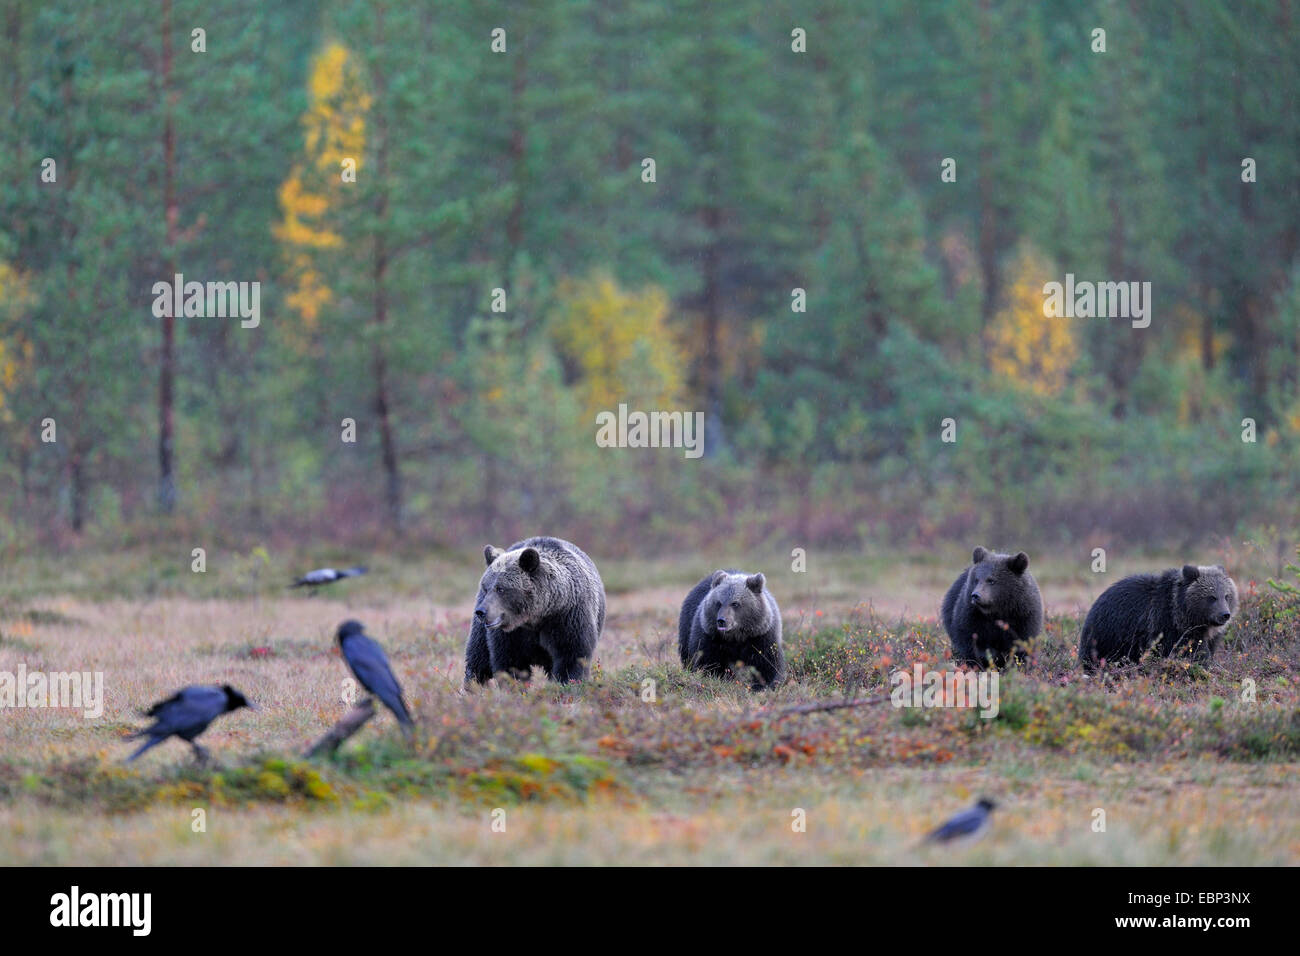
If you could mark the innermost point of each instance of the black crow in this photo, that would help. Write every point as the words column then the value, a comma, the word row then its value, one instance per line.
column 368, row 662
column 323, row 576
column 967, row 826
column 187, row 713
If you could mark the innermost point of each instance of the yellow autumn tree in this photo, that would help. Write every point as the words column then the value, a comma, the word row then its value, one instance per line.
column 15, row 353
column 1023, row 344
column 619, row 342
column 334, row 131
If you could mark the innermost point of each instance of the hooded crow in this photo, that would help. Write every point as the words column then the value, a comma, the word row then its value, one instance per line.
column 323, row 576
column 370, row 665
column 967, row 826
column 186, row 714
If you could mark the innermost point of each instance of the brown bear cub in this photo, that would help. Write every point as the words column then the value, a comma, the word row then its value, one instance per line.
column 1180, row 611
column 992, row 610
column 540, row 601
column 731, row 625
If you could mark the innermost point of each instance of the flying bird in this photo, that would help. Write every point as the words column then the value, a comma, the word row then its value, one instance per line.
column 967, row 826
column 322, row 576
column 186, row 714
column 370, row 665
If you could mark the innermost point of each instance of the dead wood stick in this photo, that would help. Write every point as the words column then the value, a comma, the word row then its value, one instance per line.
column 826, row 705
column 822, row 707
column 352, row 721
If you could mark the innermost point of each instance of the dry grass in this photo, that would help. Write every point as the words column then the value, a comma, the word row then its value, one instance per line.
column 1186, row 771
column 1191, row 815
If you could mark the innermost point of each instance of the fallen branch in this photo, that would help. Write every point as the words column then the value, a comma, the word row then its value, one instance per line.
column 827, row 705
column 824, row 706
column 352, row 721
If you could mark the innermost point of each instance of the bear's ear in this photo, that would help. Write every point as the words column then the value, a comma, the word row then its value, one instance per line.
column 755, row 583
column 490, row 554
column 529, row 560
column 1190, row 573
column 979, row 555
column 1018, row 562
column 718, row 577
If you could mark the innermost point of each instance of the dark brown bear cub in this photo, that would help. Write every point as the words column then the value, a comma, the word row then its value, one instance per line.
column 1180, row 611
column 730, row 625
column 540, row 601
column 992, row 610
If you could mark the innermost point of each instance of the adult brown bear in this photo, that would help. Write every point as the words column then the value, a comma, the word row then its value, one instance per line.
column 540, row 602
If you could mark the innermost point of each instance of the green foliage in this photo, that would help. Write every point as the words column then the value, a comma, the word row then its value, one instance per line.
column 1291, row 588
column 776, row 170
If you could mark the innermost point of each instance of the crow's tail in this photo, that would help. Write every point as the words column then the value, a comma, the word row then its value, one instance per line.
column 398, row 706
column 151, row 742
column 403, row 716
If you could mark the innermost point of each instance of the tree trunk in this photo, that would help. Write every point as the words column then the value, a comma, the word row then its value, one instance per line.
column 712, row 371
column 25, row 484
column 379, row 278
column 518, row 148
column 388, row 446
column 988, row 238
column 1126, row 362
column 77, row 489
column 711, row 215
column 1207, row 319
column 14, row 30
column 167, row 360
column 1257, row 340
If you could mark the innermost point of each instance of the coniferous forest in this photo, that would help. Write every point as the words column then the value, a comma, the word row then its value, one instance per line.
column 826, row 227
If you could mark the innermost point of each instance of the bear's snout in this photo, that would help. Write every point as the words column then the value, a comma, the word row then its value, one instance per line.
column 722, row 624
column 1222, row 617
column 481, row 614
